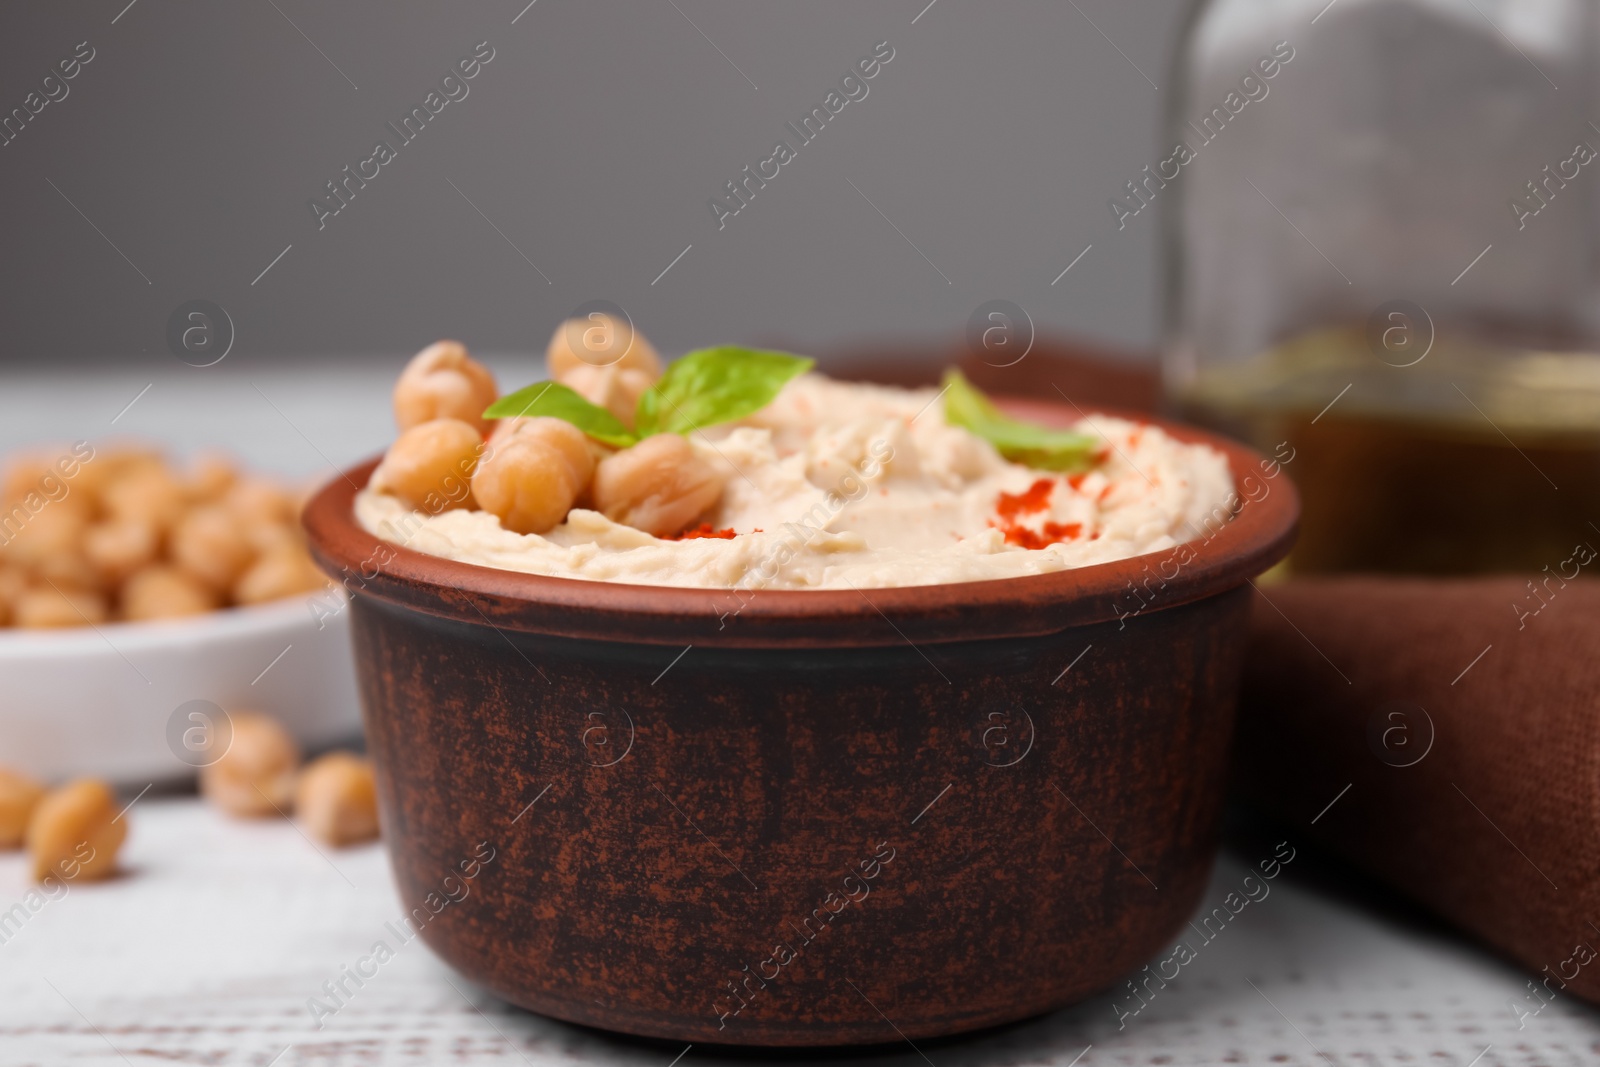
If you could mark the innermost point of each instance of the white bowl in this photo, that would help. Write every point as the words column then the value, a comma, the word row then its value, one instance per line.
column 104, row 700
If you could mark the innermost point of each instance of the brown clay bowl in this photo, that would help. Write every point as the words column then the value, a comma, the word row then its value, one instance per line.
column 832, row 818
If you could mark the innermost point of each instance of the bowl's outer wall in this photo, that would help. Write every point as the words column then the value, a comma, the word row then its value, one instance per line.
column 100, row 701
column 661, row 824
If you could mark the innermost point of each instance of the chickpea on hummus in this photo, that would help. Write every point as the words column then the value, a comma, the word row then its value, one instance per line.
column 826, row 485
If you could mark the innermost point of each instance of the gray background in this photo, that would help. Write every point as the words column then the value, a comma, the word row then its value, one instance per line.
column 593, row 140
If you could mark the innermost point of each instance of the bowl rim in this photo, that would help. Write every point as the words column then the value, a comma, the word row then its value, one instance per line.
column 194, row 631
column 1259, row 535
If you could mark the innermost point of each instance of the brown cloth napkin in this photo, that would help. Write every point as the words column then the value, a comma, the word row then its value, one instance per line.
column 1444, row 735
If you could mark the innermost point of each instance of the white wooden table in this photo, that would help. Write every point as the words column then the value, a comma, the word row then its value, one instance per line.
column 207, row 949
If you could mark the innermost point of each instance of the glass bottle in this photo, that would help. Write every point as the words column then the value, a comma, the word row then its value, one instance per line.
column 1380, row 227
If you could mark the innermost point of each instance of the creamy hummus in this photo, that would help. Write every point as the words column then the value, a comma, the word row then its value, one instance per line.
column 837, row 485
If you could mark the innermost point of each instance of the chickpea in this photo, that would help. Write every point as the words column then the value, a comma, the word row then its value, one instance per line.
column 150, row 493
column 120, row 463
column 617, row 389
column 56, row 528
column 13, row 583
column 337, row 799
column 212, row 543
column 75, row 832
column 300, row 499
column 279, row 572
column 70, row 572
column 125, row 458
column 443, row 382
column 259, row 502
column 52, row 473
column 169, row 542
column 118, row 547
column 22, row 475
column 256, row 775
column 18, row 796
column 534, row 474
column 163, row 592
column 91, row 477
column 274, row 536
column 600, row 340
column 430, row 466
column 210, row 478
column 505, row 429
column 659, row 485
column 44, row 608
column 575, row 447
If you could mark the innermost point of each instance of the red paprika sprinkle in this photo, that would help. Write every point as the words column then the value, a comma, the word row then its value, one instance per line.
column 1035, row 499
column 704, row 530
column 1030, row 501
column 1054, row 533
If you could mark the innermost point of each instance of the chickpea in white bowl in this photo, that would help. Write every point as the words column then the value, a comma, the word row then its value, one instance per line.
column 119, row 534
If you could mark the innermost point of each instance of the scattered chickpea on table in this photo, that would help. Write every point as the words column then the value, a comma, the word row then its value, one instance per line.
column 335, row 797
column 530, row 472
column 76, row 830
column 71, row 832
column 18, row 796
column 119, row 534
column 255, row 774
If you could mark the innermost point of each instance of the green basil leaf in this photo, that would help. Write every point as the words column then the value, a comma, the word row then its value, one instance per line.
column 557, row 401
column 715, row 385
column 1021, row 442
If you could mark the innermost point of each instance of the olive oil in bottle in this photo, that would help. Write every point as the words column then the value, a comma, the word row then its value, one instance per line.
column 1475, row 459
